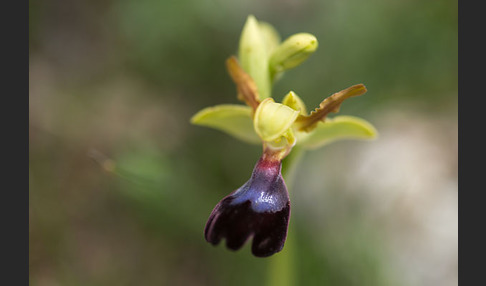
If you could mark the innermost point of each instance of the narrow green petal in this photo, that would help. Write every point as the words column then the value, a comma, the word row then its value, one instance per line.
column 338, row 128
column 232, row 119
column 272, row 120
column 330, row 104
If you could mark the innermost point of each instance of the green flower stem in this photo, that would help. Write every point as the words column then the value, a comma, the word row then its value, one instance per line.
column 290, row 165
column 281, row 271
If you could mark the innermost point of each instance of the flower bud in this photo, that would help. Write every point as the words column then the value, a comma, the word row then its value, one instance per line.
column 292, row 52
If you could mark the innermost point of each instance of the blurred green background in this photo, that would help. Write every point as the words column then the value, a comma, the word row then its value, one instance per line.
column 116, row 82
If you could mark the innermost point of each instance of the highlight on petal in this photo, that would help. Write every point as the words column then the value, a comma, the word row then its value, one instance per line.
column 272, row 119
column 259, row 209
column 232, row 119
column 253, row 57
column 293, row 101
column 339, row 128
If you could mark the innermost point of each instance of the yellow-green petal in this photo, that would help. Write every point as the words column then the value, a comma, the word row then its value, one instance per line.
column 339, row 128
column 232, row 119
column 293, row 101
column 272, row 119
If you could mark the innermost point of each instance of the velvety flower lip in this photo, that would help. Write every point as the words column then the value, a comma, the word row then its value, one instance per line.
column 260, row 208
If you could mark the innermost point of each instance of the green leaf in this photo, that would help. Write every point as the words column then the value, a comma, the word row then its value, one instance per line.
column 232, row 119
column 272, row 120
column 339, row 128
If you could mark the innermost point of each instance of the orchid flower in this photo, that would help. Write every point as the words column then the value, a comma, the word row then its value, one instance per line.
column 261, row 207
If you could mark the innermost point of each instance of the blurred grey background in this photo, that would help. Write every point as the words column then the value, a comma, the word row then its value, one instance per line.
column 121, row 185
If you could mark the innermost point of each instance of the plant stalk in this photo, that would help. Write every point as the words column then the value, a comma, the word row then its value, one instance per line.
column 281, row 268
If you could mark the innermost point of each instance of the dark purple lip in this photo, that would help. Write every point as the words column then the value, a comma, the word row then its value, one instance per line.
column 259, row 209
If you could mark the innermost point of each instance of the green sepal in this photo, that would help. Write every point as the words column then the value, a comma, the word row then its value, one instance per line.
column 232, row 119
column 270, row 36
column 338, row 128
column 253, row 57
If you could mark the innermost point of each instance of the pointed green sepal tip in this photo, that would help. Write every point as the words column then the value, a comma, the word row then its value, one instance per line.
column 292, row 52
column 339, row 128
column 232, row 119
column 272, row 120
